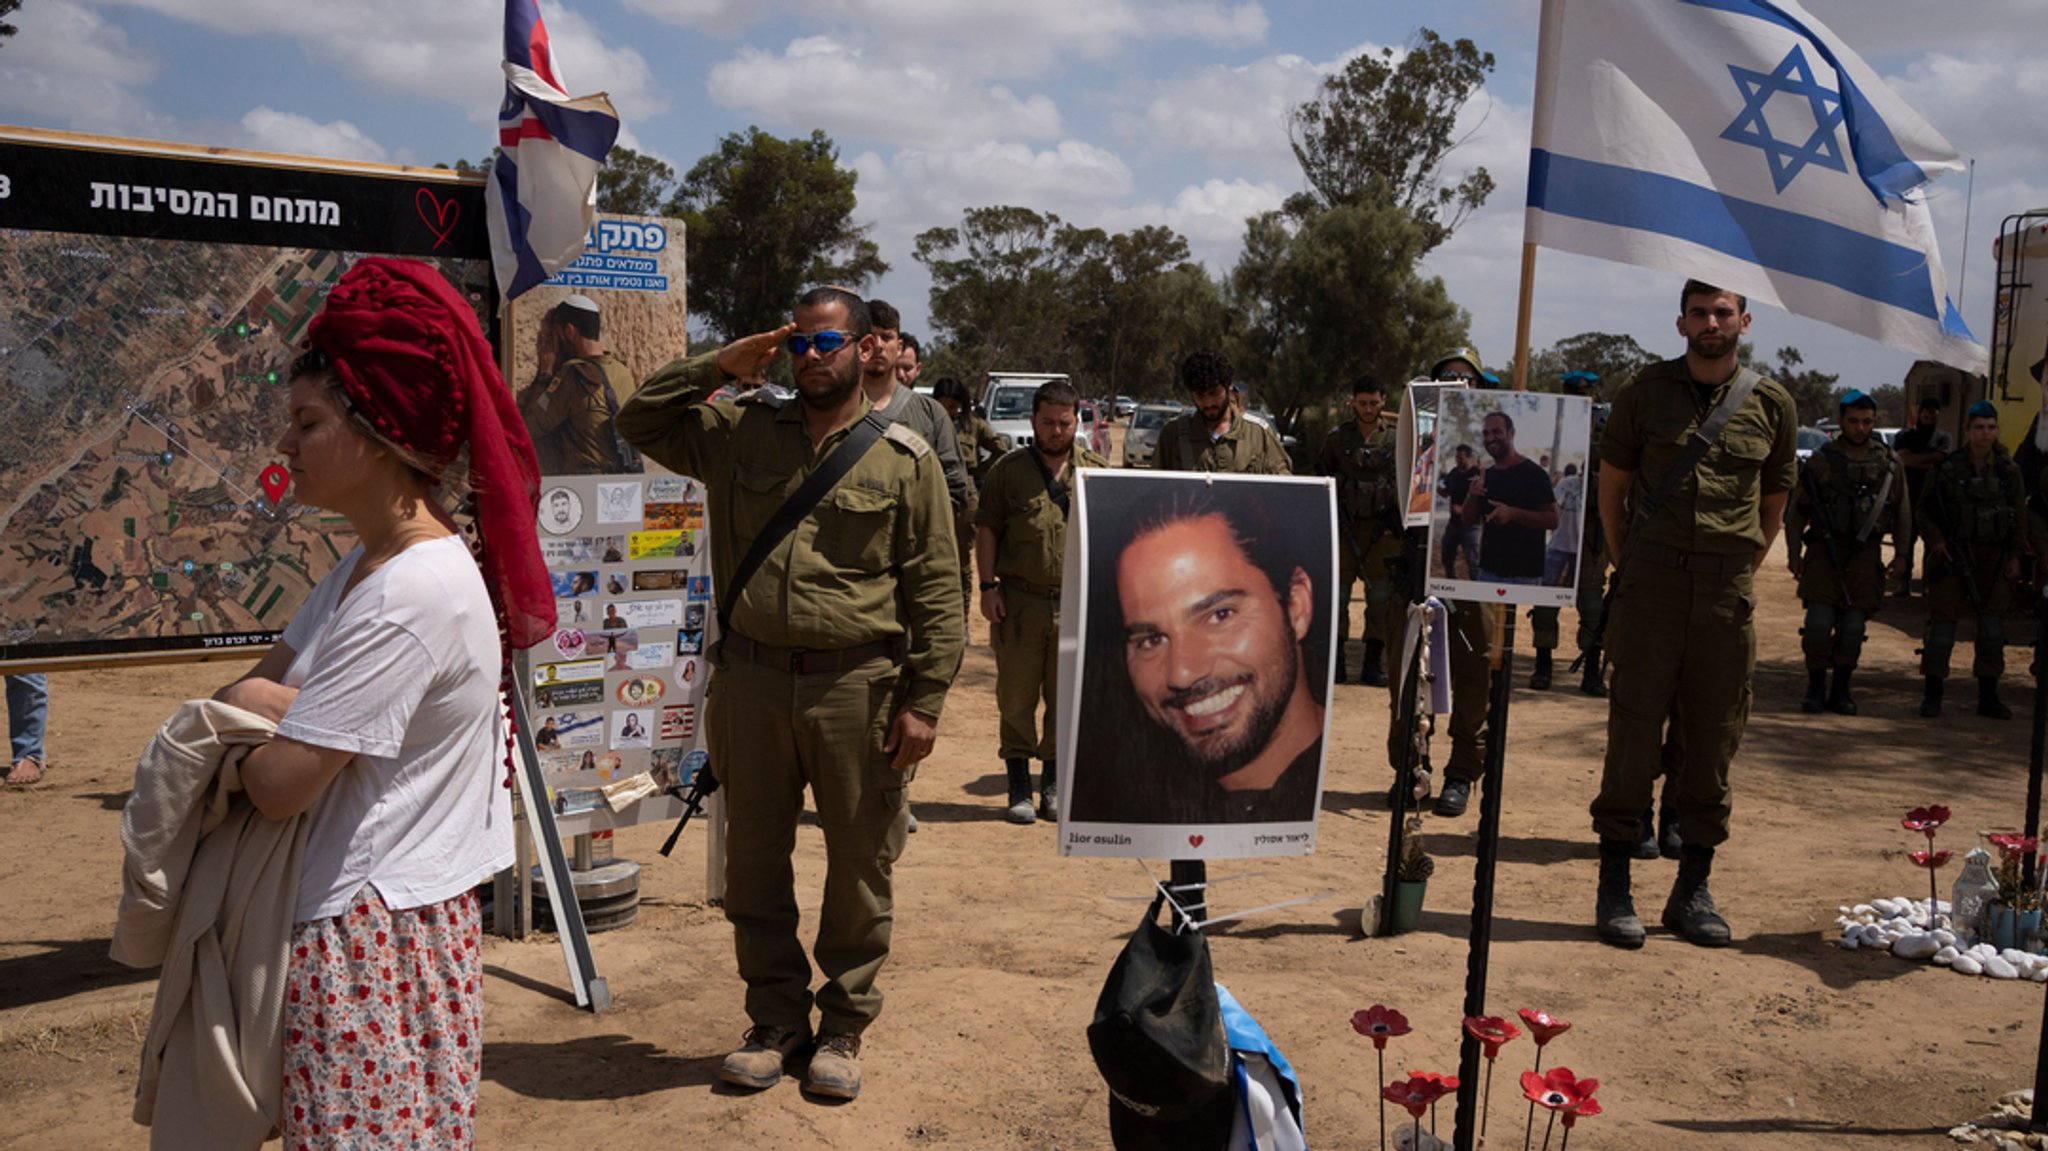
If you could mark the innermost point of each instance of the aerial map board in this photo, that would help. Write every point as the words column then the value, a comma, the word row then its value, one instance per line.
column 151, row 300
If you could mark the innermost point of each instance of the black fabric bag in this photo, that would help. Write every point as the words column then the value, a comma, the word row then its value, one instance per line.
column 1158, row 1042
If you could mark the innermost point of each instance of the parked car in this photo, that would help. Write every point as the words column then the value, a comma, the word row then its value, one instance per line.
column 1142, row 437
column 1094, row 430
column 1006, row 403
column 1123, row 407
column 1890, row 436
column 1262, row 416
column 1810, row 441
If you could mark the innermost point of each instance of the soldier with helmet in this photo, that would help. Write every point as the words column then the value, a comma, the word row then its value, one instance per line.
column 1360, row 455
column 1972, row 514
column 1592, row 562
column 1851, row 492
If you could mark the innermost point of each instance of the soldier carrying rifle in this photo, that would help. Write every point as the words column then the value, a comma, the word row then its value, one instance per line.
column 1972, row 514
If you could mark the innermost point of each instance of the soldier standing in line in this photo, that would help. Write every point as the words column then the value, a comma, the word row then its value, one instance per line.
column 897, row 402
column 1213, row 437
column 1851, row 492
column 1592, row 573
column 1360, row 454
column 980, row 448
column 1919, row 449
column 831, row 673
column 1972, row 514
column 570, row 405
column 1682, row 635
column 1021, row 547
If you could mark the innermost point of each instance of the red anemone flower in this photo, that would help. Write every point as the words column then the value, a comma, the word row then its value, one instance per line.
column 1925, row 819
column 1587, row 1108
column 1929, row 859
column 2013, row 845
column 1380, row 1023
column 1416, row 1092
column 1543, row 1026
column 1446, row 1084
column 1557, row 1089
column 1492, row 1031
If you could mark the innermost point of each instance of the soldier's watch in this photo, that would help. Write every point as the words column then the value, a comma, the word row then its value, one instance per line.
column 991, row 584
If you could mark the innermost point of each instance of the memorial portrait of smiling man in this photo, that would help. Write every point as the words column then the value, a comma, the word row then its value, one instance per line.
column 1215, row 654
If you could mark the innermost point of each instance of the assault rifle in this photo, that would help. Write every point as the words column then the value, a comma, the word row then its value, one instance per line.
column 1826, row 533
column 701, row 786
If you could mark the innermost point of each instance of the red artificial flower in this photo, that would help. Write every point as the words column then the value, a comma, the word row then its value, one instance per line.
column 1446, row 1084
column 1416, row 1092
column 2012, row 845
column 1492, row 1031
column 1543, row 1026
column 1925, row 819
column 1557, row 1089
column 1588, row 1107
column 1929, row 859
column 1380, row 1023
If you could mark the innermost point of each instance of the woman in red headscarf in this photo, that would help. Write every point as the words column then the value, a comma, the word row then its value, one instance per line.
column 386, row 688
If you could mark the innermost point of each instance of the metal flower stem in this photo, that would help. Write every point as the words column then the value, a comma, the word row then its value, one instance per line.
column 1529, row 1128
column 1383, row 1099
column 1415, row 1144
column 1933, row 900
column 1486, row 1102
column 1432, row 1119
column 1547, row 1129
column 1565, row 1142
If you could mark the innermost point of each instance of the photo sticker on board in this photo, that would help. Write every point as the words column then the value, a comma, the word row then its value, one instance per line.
column 666, row 765
column 569, row 694
column 654, row 545
column 633, row 728
column 561, row 510
column 686, row 673
column 690, row 642
column 700, row 587
column 651, row 612
column 569, row 642
column 651, row 656
column 660, row 579
column 693, row 615
column 615, row 583
column 616, row 644
column 678, row 721
column 661, row 517
column 641, row 691
column 665, row 489
column 583, row 550
column 618, row 503
column 575, row 613
column 569, row 585
column 576, row 728
column 568, row 671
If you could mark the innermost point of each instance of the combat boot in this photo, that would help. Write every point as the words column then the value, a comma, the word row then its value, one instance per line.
column 764, row 1053
column 1595, row 681
column 1839, row 701
column 1020, row 810
column 1372, row 671
column 1539, row 680
column 1343, row 676
column 1614, row 912
column 1816, row 691
column 1645, row 845
column 1668, row 842
column 1690, row 910
column 835, row 1067
column 1930, row 703
column 1988, row 703
column 1049, row 791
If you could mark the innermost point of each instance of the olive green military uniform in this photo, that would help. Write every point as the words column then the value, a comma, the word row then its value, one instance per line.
column 569, row 416
column 927, row 417
column 980, row 448
column 1846, row 501
column 1247, row 447
column 1369, row 516
column 1979, row 511
column 1031, row 550
column 851, row 618
column 1682, row 638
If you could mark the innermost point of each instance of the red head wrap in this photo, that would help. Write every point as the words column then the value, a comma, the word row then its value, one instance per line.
column 412, row 360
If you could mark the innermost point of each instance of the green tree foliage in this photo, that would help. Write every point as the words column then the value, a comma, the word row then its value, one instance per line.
column 632, row 184
column 7, row 8
column 1891, row 405
column 1381, row 129
column 999, row 285
column 1139, row 304
column 1813, row 391
column 1615, row 359
column 764, row 218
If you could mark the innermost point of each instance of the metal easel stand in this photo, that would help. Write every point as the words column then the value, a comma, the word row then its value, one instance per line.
column 589, row 987
column 1480, row 942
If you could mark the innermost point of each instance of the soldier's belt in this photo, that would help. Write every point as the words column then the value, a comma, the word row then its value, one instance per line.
column 1703, row 563
column 809, row 661
column 1048, row 590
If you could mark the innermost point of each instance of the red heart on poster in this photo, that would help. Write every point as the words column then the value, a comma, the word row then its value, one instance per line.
column 438, row 214
column 1501, row 591
column 1194, row 841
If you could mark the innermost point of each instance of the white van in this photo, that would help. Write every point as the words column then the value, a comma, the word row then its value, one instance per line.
column 1006, row 403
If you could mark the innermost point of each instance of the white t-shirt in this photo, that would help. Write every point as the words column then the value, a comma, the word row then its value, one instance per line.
column 405, row 674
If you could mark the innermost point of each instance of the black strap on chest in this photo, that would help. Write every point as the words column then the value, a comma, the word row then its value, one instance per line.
column 801, row 502
column 1053, row 487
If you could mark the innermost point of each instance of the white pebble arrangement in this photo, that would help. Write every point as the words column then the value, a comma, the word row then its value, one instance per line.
column 1902, row 927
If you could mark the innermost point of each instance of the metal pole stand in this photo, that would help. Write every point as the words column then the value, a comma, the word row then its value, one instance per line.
column 1480, row 943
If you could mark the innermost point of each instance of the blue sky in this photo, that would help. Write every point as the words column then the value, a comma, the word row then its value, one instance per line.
column 1108, row 112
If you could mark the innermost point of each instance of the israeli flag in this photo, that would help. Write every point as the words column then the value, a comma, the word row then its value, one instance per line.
column 542, row 198
column 1742, row 143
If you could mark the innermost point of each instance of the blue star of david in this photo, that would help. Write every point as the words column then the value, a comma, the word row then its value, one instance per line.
column 1793, row 77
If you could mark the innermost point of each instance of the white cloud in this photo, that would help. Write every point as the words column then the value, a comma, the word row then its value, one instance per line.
column 266, row 129
column 1210, row 215
column 1233, row 114
column 823, row 83
column 68, row 66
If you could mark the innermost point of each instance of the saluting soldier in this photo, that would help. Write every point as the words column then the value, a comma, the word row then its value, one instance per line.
column 835, row 657
column 1592, row 560
column 1214, row 437
column 980, row 448
column 1851, row 492
column 1972, row 514
column 570, row 405
column 1360, row 453
column 1021, row 548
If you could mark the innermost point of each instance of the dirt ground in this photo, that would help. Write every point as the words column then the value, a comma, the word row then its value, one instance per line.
column 1781, row 1042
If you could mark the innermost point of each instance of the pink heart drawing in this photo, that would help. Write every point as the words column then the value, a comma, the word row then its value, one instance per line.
column 439, row 215
column 1194, row 841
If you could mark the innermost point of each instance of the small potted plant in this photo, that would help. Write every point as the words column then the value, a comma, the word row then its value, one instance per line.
column 1411, row 878
column 2014, row 916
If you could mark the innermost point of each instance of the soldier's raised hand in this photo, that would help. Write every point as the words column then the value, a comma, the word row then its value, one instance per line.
column 751, row 355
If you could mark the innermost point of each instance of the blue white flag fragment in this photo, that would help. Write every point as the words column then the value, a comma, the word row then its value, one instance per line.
column 542, row 198
column 1742, row 143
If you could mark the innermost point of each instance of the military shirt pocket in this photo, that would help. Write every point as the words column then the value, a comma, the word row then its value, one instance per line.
column 858, row 529
column 757, row 493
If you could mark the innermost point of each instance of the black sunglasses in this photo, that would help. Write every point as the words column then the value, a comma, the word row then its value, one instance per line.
column 827, row 342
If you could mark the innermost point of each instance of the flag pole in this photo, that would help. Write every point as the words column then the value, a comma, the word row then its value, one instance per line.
column 1521, row 382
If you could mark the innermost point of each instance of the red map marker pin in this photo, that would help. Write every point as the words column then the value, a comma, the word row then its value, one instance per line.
column 275, row 480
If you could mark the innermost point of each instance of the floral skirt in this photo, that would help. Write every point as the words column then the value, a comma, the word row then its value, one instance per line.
column 383, row 1024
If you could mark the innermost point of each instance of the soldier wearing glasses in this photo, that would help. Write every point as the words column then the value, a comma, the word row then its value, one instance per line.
column 832, row 674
